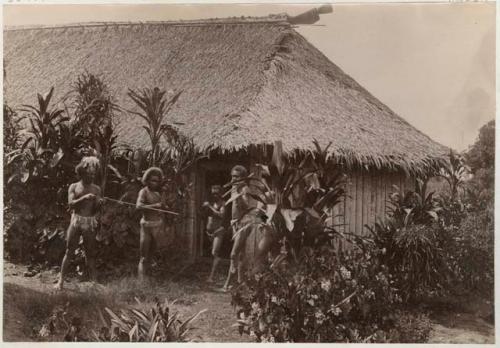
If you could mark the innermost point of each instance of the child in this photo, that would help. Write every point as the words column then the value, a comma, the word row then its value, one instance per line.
column 152, row 221
column 84, row 200
column 215, row 229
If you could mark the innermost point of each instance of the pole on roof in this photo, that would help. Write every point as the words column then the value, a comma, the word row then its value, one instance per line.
column 311, row 16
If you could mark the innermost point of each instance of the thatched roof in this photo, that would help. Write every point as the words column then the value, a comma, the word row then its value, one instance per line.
column 243, row 81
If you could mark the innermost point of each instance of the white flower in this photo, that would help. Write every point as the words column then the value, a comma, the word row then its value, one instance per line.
column 345, row 273
column 320, row 317
column 255, row 306
column 335, row 310
column 311, row 302
column 274, row 299
column 326, row 285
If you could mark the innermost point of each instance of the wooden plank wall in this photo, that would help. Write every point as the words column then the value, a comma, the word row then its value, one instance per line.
column 366, row 199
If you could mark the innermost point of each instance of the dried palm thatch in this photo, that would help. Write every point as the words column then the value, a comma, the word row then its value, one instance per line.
column 244, row 82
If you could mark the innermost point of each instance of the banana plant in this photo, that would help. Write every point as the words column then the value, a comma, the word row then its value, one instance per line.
column 297, row 225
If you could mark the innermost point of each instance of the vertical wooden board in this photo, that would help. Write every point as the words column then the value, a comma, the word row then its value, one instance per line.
column 381, row 192
column 203, row 195
column 389, row 189
column 371, row 204
column 366, row 201
column 359, row 202
column 348, row 203
column 362, row 204
column 375, row 180
column 192, row 216
column 378, row 210
column 373, row 199
column 410, row 183
column 342, row 215
column 401, row 182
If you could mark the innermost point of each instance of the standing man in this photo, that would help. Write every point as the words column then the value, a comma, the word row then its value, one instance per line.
column 242, row 220
column 84, row 200
column 150, row 199
column 215, row 229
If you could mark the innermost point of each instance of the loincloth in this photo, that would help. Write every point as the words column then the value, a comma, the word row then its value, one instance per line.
column 85, row 223
column 151, row 224
column 219, row 232
column 154, row 228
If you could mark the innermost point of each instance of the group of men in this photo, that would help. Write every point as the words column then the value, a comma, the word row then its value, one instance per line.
column 85, row 201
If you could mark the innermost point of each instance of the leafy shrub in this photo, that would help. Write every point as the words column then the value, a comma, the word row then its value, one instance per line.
column 413, row 255
column 135, row 325
column 410, row 327
column 325, row 297
column 470, row 252
column 413, row 207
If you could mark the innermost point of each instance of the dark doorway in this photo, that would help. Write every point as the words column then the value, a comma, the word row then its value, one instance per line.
column 217, row 177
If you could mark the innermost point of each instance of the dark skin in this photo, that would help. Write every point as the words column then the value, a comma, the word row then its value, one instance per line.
column 239, row 206
column 84, row 199
column 149, row 198
column 216, row 212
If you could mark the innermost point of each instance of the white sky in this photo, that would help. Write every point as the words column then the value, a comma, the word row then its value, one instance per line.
column 433, row 64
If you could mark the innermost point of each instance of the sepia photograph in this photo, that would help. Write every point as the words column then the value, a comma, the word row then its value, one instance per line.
column 301, row 173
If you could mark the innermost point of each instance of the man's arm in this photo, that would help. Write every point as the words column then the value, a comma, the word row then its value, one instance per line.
column 71, row 196
column 219, row 213
column 141, row 202
column 99, row 198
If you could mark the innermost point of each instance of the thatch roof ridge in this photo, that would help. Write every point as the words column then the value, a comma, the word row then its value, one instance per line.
column 271, row 19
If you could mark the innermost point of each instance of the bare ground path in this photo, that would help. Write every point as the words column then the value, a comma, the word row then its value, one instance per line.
column 23, row 294
column 28, row 300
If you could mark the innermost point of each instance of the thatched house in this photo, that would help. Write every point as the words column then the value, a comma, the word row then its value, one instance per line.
column 245, row 82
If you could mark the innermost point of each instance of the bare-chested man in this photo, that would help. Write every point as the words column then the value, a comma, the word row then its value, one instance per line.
column 84, row 200
column 215, row 229
column 152, row 226
column 241, row 221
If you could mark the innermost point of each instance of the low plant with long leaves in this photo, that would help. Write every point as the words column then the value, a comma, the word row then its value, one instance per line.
column 413, row 207
column 160, row 324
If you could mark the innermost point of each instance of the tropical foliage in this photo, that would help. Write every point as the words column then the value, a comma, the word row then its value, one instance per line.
column 136, row 325
column 155, row 105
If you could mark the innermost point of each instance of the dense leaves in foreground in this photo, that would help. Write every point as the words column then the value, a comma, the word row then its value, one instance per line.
column 134, row 324
column 429, row 245
column 159, row 324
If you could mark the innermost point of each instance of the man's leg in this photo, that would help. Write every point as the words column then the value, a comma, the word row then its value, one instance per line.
column 144, row 248
column 216, row 246
column 89, row 243
column 239, row 243
column 72, row 239
column 263, row 248
column 154, row 235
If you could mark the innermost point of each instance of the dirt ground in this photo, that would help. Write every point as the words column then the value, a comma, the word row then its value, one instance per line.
column 22, row 319
column 28, row 300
